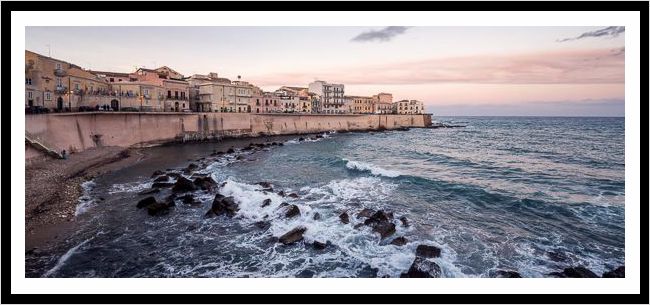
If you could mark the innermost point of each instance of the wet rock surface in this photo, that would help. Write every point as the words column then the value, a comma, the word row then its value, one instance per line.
column 574, row 272
column 291, row 211
column 183, row 185
column 617, row 273
column 292, row 236
column 423, row 268
column 399, row 241
column 223, row 206
column 344, row 218
column 427, row 251
column 508, row 274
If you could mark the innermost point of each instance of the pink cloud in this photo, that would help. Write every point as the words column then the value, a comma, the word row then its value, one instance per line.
column 600, row 66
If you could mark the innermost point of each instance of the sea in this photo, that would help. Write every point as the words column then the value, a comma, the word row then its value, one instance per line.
column 532, row 195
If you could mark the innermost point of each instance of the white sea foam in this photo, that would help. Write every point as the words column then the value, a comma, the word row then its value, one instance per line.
column 373, row 169
column 64, row 258
column 129, row 187
column 86, row 199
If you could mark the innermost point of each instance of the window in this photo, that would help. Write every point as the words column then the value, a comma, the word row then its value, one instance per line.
column 48, row 96
column 28, row 81
column 169, row 93
column 112, row 80
column 176, row 94
column 58, row 66
column 76, row 86
column 30, row 94
column 146, row 91
column 59, row 83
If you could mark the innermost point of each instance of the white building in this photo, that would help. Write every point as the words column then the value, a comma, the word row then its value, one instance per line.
column 408, row 107
column 331, row 96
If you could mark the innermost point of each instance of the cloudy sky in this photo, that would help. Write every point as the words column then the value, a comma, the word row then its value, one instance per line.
column 454, row 70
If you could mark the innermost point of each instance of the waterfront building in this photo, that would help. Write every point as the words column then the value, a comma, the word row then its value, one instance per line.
column 408, row 107
column 176, row 87
column 331, row 96
column 223, row 95
column 361, row 104
column 382, row 103
column 315, row 103
column 58, row 85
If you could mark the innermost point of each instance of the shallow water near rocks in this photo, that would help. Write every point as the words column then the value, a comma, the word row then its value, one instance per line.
column 532, row 195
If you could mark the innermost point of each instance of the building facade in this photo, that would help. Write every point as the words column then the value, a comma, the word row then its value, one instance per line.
column 408, row 107
column 382, row 103
column 361, row 104
column 331, row 96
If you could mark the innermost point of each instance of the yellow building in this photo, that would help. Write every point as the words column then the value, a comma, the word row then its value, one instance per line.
column 59, row 85
column 408, row 107
column 360, row 104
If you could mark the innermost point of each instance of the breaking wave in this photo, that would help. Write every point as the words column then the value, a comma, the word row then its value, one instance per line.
column 373, row 169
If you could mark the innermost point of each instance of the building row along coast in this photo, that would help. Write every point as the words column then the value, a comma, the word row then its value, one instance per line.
column 53, row 85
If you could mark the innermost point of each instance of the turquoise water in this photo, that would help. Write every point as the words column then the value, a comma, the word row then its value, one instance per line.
column 534, row 195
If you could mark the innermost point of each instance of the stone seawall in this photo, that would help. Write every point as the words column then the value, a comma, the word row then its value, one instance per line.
column 76, row 132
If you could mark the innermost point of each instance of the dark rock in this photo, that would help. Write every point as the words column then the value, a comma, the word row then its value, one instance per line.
column 191, row 167
column 264, row 184
column 301, row 139
column 618, row 272
column 239, row 158
column 377, row 217
column 280, row 144
column 316, row 216
column 283, row 204
column 365, row 213
column 400, row 241
column 557, row 256
column 274, row 143
column 145, row 202
column 224, row 205
column 205, row 183
column 158, row 185
column 359, row 225
column 174, row 175
column 344, row 218
column 281, row 193
column 292, row 236
column 423, row 268
column 145, row 192
column 270, row 190
column 293, row 195
column 384, row 229
column 247, row 148
column 508, row 274
column 574, row 272
column 157, row 173
column 187, row 199
column 230, row 151
column 191, row 227
column 183, row 185
column 292, row 211
column 266, row 202
column 319, row 245
column 404, row 221
column 264, row 225
column 427, row 251
column 158, row 208
column 162, row 178
column 170, row 200
column 319, row 136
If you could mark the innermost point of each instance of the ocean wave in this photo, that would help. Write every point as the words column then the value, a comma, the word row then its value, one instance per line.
column 86, row 200
column 373, row 169
column 130, row 187
column 65, row 257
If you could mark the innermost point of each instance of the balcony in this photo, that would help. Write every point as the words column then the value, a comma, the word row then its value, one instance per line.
column 60, row 72
column 61, row 89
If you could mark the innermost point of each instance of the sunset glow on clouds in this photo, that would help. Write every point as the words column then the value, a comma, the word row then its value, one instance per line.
column 517, row 70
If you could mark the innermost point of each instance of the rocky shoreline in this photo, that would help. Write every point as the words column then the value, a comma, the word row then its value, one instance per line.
column 53, row 188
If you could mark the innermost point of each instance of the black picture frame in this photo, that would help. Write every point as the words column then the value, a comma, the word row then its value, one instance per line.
column 8, row 7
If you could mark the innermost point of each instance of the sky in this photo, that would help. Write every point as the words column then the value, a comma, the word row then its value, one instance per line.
column 559, row 71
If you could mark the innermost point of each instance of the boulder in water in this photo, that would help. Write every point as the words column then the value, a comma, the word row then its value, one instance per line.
column 508, row 274
column 292, row 211
column 404, row 221
column 281, row 193
column 230, row 151
column 162, row 178
column 574, row 272
column 423, row 268
column 187, row 199
column 266, row 202
column 158, row 208
column 293, row 195
column 292, row 236
column 384, row 229
column 399, row 241
column 146, row 192
column 344, row 218
column 365, row 213
column 264, row 225
column 158, row 185
column 264, row 184
column 319, row 245
column 146, row 201
column 316, row 216
column 205, row 183
column 427, row 251
column 157, row 173
column 618, row 272
column 223, row 205
column 183, row 185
